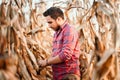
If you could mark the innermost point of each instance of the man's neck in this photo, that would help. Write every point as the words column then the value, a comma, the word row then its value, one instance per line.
column 63, row 23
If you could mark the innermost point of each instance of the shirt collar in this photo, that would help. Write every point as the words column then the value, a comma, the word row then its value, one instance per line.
column 63, row 25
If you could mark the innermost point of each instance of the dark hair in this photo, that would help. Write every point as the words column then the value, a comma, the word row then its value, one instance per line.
column 54, row 13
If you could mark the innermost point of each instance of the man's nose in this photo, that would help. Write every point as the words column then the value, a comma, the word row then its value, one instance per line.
column 49, row 25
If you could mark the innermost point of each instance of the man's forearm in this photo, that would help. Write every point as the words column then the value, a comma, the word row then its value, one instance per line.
column 54, row 60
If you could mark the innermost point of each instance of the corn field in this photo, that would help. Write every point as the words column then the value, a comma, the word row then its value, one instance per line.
column 26, row 38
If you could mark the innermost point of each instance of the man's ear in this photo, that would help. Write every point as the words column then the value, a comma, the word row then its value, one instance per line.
column 59, row 19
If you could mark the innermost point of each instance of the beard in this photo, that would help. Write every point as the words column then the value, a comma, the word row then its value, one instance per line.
column 55, row 29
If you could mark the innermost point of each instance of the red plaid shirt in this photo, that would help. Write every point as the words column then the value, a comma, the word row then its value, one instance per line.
column 65, row 44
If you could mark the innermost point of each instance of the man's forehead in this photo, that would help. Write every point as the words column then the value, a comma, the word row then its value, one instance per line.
column 49, row 18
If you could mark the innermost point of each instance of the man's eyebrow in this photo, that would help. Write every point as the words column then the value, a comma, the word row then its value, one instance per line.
column 49, row 22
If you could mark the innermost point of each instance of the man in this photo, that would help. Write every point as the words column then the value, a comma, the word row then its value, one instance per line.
column 65, row 56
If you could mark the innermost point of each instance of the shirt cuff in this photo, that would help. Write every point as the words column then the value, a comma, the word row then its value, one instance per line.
column 62, row 56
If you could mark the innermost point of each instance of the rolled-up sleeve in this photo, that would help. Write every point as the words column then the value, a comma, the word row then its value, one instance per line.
column 69, row 43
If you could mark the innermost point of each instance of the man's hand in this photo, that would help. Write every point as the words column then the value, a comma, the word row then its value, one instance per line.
column 50, row 61
column 42, row 63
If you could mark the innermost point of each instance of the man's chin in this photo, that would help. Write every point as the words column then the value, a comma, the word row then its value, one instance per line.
column 52, row 28
column 55, row 29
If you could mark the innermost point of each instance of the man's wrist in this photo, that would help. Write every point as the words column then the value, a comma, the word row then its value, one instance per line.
column 47, row 62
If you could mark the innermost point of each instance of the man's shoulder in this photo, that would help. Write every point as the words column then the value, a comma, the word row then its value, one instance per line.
column 68, row 26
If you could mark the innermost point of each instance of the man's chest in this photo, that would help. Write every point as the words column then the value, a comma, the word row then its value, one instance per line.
column 58, row 40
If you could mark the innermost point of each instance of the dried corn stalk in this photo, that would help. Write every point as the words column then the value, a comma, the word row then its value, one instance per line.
column 25, row 38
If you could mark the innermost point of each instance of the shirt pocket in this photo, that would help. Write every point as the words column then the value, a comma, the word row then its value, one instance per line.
column 57, row 46
column 59, row 43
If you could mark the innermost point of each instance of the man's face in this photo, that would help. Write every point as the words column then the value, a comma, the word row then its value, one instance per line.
column 52, row 23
